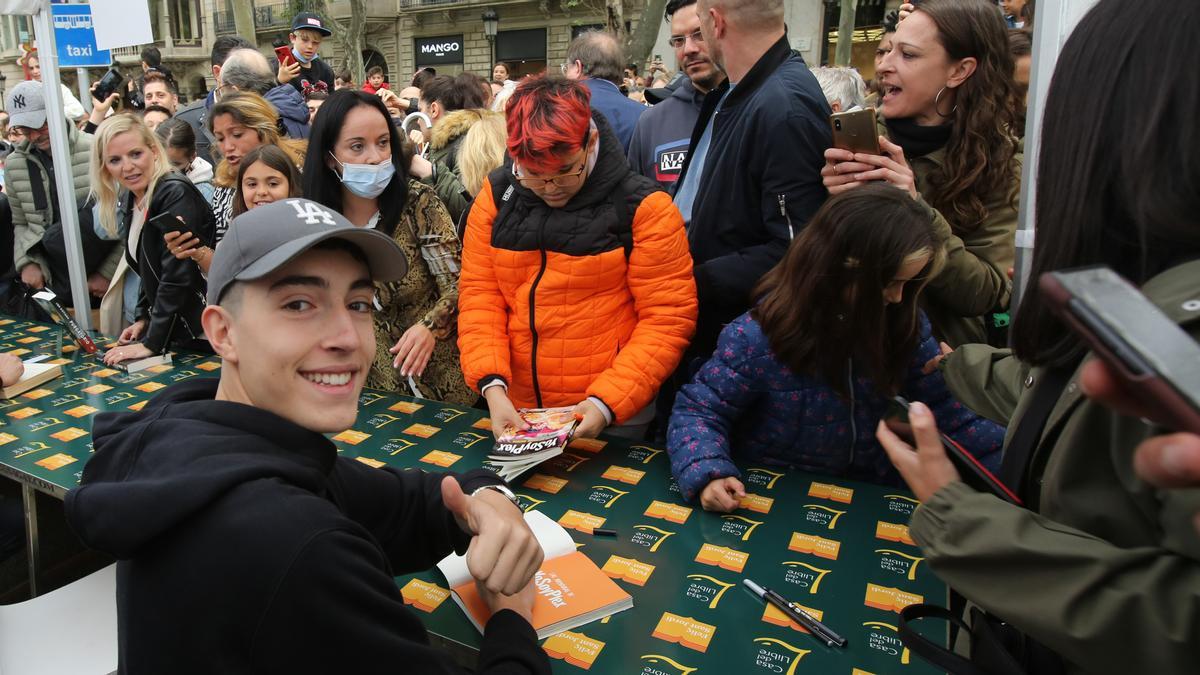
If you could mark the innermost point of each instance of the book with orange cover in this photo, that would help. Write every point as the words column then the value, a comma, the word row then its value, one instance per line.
column 570, row 589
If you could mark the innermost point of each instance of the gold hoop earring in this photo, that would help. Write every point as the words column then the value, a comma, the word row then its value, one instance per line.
column 937, row 100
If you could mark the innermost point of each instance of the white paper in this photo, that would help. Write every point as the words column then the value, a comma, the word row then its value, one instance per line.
column 555, row 541
column 121, row 23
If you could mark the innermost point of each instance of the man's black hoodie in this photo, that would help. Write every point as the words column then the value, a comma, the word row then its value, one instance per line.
column 246, row 544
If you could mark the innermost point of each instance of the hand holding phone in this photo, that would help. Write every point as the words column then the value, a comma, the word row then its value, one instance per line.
column 109, row 84
column 1152, row 356
column 285, row 56
column 855, row 131
column 970, row 470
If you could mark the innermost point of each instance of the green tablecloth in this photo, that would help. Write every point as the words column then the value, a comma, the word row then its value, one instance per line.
column 837, row 547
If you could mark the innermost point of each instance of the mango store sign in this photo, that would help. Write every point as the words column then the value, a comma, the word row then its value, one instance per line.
column 441, row 49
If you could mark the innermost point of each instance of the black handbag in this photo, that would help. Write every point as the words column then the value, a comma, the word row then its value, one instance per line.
column 16, row 299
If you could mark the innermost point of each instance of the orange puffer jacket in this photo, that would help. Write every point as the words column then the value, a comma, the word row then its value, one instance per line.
column 561, row 306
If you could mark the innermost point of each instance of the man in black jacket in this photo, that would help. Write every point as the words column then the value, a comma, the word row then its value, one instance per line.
column 752, row 179
column 245, row 543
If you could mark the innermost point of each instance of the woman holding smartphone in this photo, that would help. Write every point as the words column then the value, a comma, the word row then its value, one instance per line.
column 949, row 117
column 358, row 166
column 128, row 156
column 1102, row 571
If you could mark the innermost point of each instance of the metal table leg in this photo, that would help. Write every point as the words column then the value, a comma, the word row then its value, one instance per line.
column 29, row 498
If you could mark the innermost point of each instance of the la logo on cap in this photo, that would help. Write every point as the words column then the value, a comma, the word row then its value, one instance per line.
column 311, row 213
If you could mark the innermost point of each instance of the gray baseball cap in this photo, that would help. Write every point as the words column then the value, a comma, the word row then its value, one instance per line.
column 266, row 238
column 26, row 105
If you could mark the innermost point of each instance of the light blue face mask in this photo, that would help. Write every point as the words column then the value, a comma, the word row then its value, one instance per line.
column 366, row 180
column 301, row 58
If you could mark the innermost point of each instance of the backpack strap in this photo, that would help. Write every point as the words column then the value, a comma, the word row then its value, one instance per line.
column 36, row 186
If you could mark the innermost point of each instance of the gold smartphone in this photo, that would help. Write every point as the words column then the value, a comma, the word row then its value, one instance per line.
column 855, row 131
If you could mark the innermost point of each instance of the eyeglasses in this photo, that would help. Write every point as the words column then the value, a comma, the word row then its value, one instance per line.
column 677, row 41
column 562, row 180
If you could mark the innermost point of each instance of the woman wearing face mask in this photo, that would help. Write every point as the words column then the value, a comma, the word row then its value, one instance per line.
column 357, row 165
column 951, row 126
column 577, row 286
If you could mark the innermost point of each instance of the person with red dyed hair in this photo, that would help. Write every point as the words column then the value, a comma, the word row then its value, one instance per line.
column 576, row 286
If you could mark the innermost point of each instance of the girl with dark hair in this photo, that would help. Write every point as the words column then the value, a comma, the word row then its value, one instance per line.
column 802, row 379
column 356, row 165
column 1101, row 569
column 951, row 140
column 179, row 139
column 265, row 175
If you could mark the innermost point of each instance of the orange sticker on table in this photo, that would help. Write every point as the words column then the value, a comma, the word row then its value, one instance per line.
column 7, row 438
column 105, row 372
column 774, row 615
column 101, row 388
column 148, row 387
column 818, row 546
column 160, row 368
column 28, row 340
column 859, row 671
column 423, row 595
column 35, row 329
column 672, row 512
column 723, row 557
column 441, row 458
column 592, row 445
column 80, row 411
column 628, row 569
column 36, row 394
column 893, row 532
column 409, row 407
column 22, row 351
column 138, row 406
column 373, row 463
column 578, row 520
column 22, row 413
column 352, row 437
column 576, row 649
column 548, row 484
column 422, row 430
column 208, row 366
column 623, row 474
column 54, row 462
column 68, row 435
column 757, row 503
column 685, row 631
column 485, row 423
column 890, row 599
column 833, row 492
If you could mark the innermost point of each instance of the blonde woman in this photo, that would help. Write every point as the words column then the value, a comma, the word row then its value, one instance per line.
column 128, row 156
column 482, row 150
column 240, row 123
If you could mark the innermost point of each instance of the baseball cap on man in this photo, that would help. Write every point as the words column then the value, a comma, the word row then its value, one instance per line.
column 26, row 105
column 310, row 21
column 264, row 239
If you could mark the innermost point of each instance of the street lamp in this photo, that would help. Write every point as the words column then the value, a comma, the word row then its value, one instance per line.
column 3, row 81
column 491, row 22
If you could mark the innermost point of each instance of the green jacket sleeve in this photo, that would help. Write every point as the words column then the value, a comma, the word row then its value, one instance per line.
column 975, row 277
column 450, row 190
column 26, row 235
column 1102, row 607
column 986, row 379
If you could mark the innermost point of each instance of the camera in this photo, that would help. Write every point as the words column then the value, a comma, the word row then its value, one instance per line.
column 837, row 124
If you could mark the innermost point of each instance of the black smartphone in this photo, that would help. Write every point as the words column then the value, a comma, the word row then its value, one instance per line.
column 972, row 472
column 1150, row 353
column 110, row 82
column 167, row 222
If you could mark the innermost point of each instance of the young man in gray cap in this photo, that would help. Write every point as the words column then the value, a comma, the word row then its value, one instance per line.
column 245, row 543
column 30, row 185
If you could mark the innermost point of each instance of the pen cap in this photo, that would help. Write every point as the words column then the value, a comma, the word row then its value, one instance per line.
column 755, row 588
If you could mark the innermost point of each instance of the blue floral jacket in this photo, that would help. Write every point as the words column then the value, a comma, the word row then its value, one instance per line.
column 744, row 397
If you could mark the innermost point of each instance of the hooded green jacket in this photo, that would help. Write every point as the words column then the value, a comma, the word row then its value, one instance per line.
column 1103, row 568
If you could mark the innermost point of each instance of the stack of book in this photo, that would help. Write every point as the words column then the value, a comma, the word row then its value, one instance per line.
column 518, row 450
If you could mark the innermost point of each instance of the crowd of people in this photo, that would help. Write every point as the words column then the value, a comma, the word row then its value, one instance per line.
column 708, row 272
